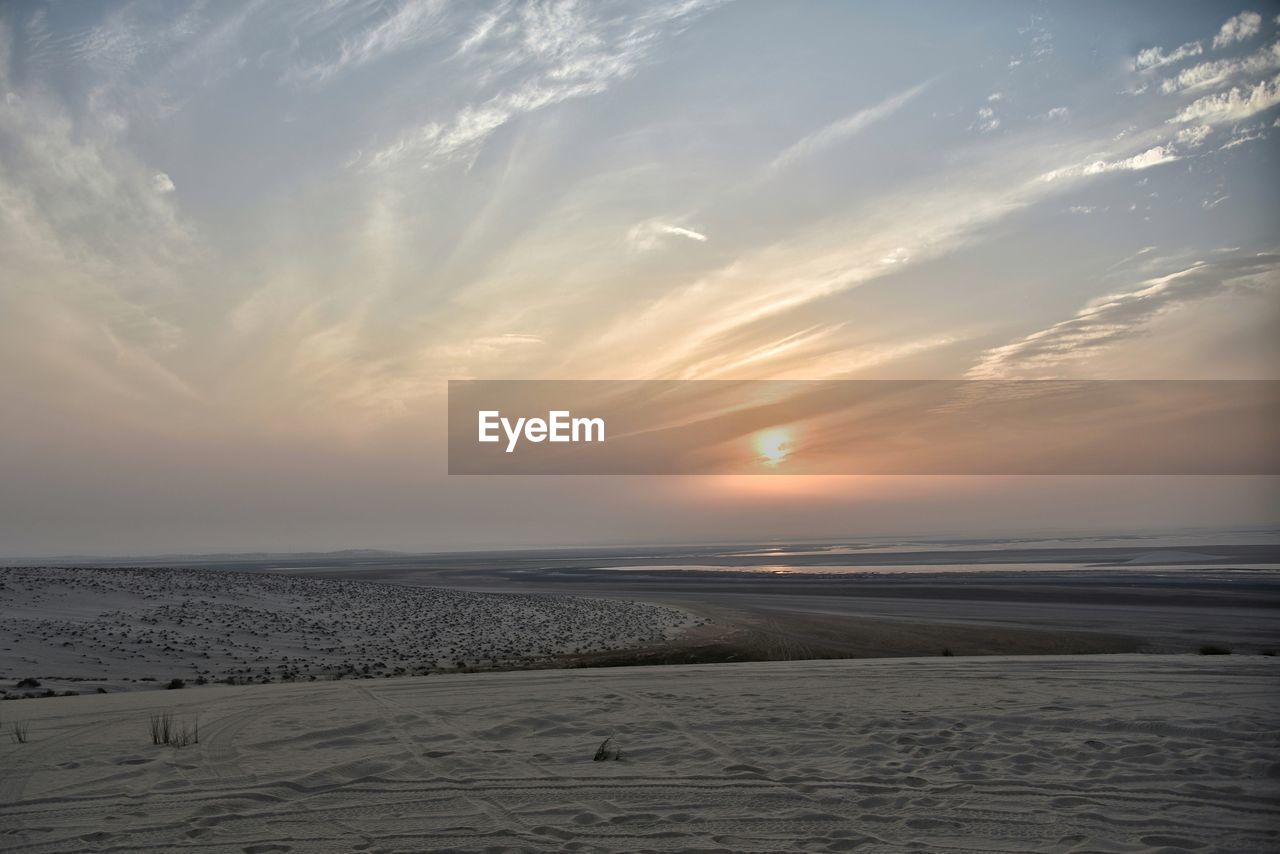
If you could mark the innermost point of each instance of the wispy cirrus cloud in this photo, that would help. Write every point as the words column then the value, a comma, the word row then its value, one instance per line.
column 761, row 287
column 92, row 247
column 1193, row 136
column 1242, row 138
column 1109, row 320
column 1154, row 156
column 541, row 54
column 113, row 46
column 987, row 120
column 646, row 235
column 387, row 31
column 1240, row 102
column 1254, row 88
column 1207, row 75
column 1152, row 58
column 438, row 142
column 484, row 27
column 840, row 130
column 127, row 37
column 1238, row 28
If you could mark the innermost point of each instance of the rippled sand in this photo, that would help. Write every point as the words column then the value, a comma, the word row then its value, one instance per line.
column 1117, row 753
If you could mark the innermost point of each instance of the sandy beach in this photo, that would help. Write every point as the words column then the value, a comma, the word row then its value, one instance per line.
column 324, row 713
column 1116, row 753
column 1002, row 710
column 986, row 596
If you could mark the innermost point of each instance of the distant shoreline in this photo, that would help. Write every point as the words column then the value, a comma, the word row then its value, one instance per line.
column 179, row 633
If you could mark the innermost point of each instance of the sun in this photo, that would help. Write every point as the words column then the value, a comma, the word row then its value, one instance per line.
column 773, row 445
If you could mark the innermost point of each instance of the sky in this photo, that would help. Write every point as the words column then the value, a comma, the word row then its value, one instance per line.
column 245, row 246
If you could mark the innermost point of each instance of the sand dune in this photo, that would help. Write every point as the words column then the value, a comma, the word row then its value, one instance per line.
column 1119, row 753
column 80, row 629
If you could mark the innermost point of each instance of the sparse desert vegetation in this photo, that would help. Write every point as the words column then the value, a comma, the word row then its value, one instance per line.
column 607, row 752
column 174, row 628
column 175, row 732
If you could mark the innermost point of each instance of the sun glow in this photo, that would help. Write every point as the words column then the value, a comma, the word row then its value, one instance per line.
column 773, row 445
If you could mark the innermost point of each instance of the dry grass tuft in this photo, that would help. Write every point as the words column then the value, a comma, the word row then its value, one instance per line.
column 165, row 729
column 605, row 753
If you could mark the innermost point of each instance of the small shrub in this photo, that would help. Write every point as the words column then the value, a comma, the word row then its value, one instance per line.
column 946, row 651
column 165, row 729
column 175, row 684
column 29, row 683
column 161, row 728
column 605, row 753
column 18, row 732
column 1211, row 649
column 186, row 734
